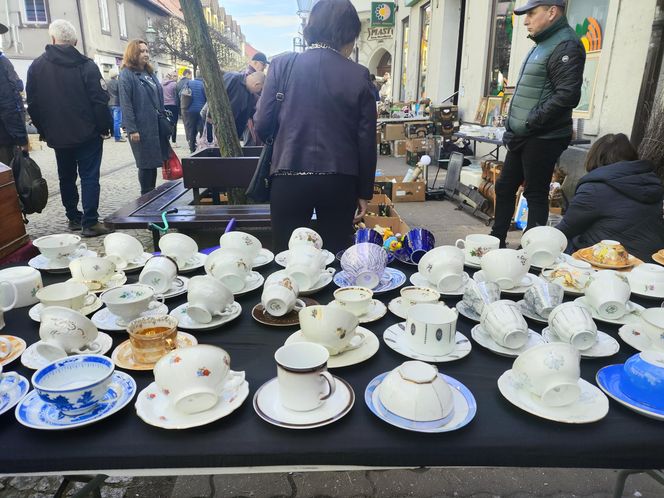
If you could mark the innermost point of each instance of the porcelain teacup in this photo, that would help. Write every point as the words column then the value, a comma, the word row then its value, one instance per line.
column 64, row 331
column 93, row 271
column 333, row 328
column 59, row 248
column 443, row 267
column 411, row 295
column 122, row 249
column 550, row 372
column 503, row 321
column 417, row 243
column 152, row 337
column 279, row 299
column 357, row 300
column 8, row 386
column 129, row 301
column 230, row 268
column 182, row 248
column 160, row 273
column 543, row 297
column 364, row 264
column 643, row 378
column 305, row 236
column 608, row 292
column 610, row 252
column 573, row 324
column 73, row 295
column 646, row 279
column 306, row 273
column 652, row 322
column 243, row 243
column 8, row 296
column 431, row 329
column 27, row 281
column 207, row 297
column 506, row 267
column 479, row 294
column 477, row 245
column 543, row 245
column 195, row 377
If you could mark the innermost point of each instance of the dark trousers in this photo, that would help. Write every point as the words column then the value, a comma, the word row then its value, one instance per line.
column 294, row 198
column 175, row 110
column 533, row 163
column 84, row 161
column 148, row 179
column 193, row 126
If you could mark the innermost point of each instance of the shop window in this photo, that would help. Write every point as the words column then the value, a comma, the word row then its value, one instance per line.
column 425, row 26
column 122, row 20
column 405, row 33
column 501, row 46
column 103, row 16
column 35, row 12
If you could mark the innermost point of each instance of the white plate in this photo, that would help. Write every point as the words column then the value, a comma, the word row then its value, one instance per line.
column 395, row 337
column 269, row 408
column 633, row 337
column 106, row 320
column 603, row 347
column 264, row 258
column 418, row 280
column 179, row 287
column 198, row 261
column 33, row 360
column 154, row 408
column 630, row 318
column 529, row 313
column 400, row 309
column 41, row 262
column 282, row 258
column 16, row 389
column 253, row 281
column 467, row 311
column 186, row 322
column 526, row 282
column 376, row 311
column 323, row 281
column 591, row 406
column 33, row 412
column 116, row 280
column 36, row 311
column 138, row 264
column 486, row 341
column 352, row 357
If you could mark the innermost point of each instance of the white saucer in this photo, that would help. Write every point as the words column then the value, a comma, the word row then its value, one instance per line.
column 630, row 318
column 376, row 311
column 41, row 262
column 17, row 388
column 106, row 320
column 154, row 408
column 36, row 311
column 186, row 322
column 138, row 264
column 486, row 341
column 323, row 281
column 562, row 259
column 397, row 307
column 269, row 408
column 592, row 405
column 253, row 281
column 352, row 357
column 33, row 412
column 633, row 337
column 33, row 360
column 196, row 262
column 419, row 280
column 179, row 287
column 472, row 264
column 467, row 311
column 526, row 282
column 264, row 258
column 603, row 347
column 116, row 280
column 529, row 313
column 395, row 338
column 282, row 258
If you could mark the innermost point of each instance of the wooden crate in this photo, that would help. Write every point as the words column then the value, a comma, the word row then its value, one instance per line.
column 12, row 235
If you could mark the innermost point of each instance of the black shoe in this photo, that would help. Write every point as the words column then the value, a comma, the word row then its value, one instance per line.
column 95, row 230
column 74, row 225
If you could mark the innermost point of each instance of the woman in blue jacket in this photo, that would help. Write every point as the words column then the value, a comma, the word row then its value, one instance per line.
column 619, row 199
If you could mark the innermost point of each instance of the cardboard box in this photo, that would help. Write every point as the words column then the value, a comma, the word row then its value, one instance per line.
column 379, row 136
column 399, row 148
column 381, row 199
column 417, row 145
column 412, row 158
column 371, row 219
column 402, row 191
column 393, row 131
column 418, row 129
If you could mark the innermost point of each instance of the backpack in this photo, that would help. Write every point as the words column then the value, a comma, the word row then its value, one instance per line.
column 31, row 187
column 185, row 97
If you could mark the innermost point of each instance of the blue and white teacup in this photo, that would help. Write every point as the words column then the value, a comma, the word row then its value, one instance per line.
column 364, row 264
column 417, row 243
column 368, row 235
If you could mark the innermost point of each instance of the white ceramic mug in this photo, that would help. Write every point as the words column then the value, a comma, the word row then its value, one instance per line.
column 7, row 348
column 304, row 382
column 93, row 271
column 207, row 297
column 122, row 249
column 230, row 268
column 73, row 295
column 64, row 331
column 506, row 267
column 357, row 300
column 241, row 242
column 431, row 329
column 333, row 328
column 128, row 301
column 305, row 236
column 477, row 245
column 160, row 273
column 182, row 248
column 608, row 292
column 27, row 281
column 278, row 300
column 58, row 248
column 573, row 324
column 503, row 321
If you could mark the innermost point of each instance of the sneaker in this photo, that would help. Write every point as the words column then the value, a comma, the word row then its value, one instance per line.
column 95, row 230
column 121, row 140
column 74, row 225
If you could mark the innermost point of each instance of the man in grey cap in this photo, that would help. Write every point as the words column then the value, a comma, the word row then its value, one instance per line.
column 539, row 124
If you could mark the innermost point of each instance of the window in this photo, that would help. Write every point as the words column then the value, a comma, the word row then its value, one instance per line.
column 103, row 15
column 122, row 20
column 405, row 32
column 425, row 20
column 35, row 11
column 501, row 47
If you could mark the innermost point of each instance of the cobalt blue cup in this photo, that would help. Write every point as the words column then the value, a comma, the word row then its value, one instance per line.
column 368, row 235
column 417, row 243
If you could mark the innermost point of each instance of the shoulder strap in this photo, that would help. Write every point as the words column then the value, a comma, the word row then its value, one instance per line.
column 281, row 95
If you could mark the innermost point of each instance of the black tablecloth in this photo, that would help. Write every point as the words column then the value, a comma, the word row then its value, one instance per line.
column 500, row 434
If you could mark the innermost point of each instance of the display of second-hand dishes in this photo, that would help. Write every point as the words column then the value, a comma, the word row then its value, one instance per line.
column 647, row 280
column 125, row 251
column 504, row 331
column 161, row 273
column 248, row 245
column 416, row 243
column 442, row 269
column 182, row 249
column 544, row 245
column 540, row 300
column 475, row 297
column 303, row 237
column 609, row 254
column 209, row 305
column 546, row 381
column 364, row 264
column 98, row 274
column 475, row 246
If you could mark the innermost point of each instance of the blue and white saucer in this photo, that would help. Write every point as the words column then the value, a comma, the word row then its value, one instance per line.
column 465, row 408
column 17, row 387
column 608, row 380
column 36, row 413
column 391, row 279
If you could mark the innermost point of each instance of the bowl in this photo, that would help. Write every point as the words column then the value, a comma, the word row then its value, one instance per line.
column 643, row 378
column 364, row 264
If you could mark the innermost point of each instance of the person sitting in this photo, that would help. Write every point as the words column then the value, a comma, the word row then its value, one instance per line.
column 620, row 198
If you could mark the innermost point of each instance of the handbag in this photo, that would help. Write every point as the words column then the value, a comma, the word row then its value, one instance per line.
column 185, row 97
column 259, row 187
column 164, row 125
column 172, row 167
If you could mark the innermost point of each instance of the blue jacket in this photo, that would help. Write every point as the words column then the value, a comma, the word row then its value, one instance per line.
column 198, row 97
column 621, row 201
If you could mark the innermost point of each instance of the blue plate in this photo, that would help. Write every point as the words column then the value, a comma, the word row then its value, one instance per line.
column 608, row 379
column 15, row 393
column 34, row 412
column 465, row 408
column 391, row 279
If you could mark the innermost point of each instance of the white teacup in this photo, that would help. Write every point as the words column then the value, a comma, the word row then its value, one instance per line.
column 551, row 372
column 305, row 236
column 477, row 245
column 182, row 248
column 27, row 281
column 306, row 271
column 503, row 321
column 279, row 300
column 544, row 245
column 608, row 292
column 73, row 295
column 230, row 268
column 357, row 300
column 431, row 329
column 59, row 247
column 160, row 273
column 93, row 271
column 128, row 301
column 506, row 267
column 245, row 244
column 653, row 325
column 645, row 279
column 543, row 297
column 411, row 295
column 207, row 297
column 306, row 254
column 64, row 331
column 573, row 324
column 8, row 296
column 478, row 294
column 304, row 382
column 122, row 249
column 196, row 377
column 333, row 328
column 443, row 267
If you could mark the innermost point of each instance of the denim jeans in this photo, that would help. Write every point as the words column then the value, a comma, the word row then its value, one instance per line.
column 85, row 161
column 116, row 111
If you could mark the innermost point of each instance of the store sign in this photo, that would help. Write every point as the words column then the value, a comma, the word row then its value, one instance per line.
column 380, row 33
column 383, row 14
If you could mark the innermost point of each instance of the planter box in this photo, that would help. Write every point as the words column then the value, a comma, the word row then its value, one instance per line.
column 207, row 169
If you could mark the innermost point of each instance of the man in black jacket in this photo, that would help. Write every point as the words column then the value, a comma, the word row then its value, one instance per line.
column 68, row 104
column 12, row 117
column 242, row 91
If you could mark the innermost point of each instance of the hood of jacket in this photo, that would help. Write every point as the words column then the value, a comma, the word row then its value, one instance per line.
column 633, row 179
column 64, row 55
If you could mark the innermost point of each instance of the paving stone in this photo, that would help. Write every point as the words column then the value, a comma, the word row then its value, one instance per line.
column 193, row 486
column 24, row 483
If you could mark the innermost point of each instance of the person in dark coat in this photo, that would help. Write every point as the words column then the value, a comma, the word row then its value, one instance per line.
column 620, row 198
column 68, row 104
column 142, row 100
column 325, row 150
column 242, row 91
column 193, row 124
column 114, row 103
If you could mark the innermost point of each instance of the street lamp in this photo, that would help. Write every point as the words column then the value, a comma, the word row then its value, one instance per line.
column 151, row 34
column 303, row 10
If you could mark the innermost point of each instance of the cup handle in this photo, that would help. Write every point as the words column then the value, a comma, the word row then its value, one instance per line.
column 90, row 348
column 172, row 344
column 159, row 300
column 299, row 304
column 177, row 282
column 330, row 270
column 10, row 375
column 331, row 384
column 229, row 310
column 14, row 292
column 358, row 344
column 234, row 380
column 82, row 247
column 89, row 299
column 8, row 347
column 462, row 242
